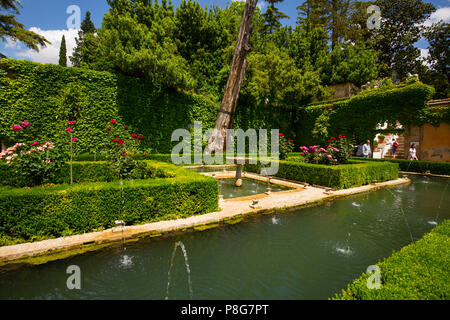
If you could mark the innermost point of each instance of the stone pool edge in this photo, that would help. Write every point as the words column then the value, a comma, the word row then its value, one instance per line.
column 233, row 211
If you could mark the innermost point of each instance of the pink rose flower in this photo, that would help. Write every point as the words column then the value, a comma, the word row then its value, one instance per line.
column 25, row 124
column 69, row 130
column 74, row 139
column 16, row 128
column 71, row 123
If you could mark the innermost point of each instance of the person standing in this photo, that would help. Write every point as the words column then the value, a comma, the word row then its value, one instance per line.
column 359, row 152
column 413, row 152
column 394, row 147
column 367, row 151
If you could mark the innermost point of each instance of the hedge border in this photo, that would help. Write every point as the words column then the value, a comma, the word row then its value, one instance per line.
column 442, row 168
column 418, row 271
column 354, row 174
column 48, row 212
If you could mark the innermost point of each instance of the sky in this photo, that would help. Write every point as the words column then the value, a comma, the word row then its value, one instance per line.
column 50, row 19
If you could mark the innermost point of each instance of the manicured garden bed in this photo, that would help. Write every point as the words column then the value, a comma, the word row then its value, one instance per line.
column 419, row 271
column 354, row 174
column 165, row 192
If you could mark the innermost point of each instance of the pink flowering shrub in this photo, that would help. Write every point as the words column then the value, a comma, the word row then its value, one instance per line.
column 337, row 152
column 33, row 162
column 36, row 163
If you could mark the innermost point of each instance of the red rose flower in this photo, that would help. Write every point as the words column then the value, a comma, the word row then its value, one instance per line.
column 134, row 135
column 120, row 142
column 126, row 127
column 113, row 121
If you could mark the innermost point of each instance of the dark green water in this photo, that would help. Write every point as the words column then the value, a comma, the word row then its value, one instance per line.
column 249, row 187
column 309, row 254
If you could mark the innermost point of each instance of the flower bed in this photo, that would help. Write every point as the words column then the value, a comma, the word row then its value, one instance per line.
column 354, row 174
column 419, row 271
column 47, row 212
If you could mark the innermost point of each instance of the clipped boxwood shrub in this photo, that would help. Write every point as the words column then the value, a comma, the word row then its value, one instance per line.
column 51, row 212
column 434, row 167
column 98, row 171
column 351, row 175
column 419, row 271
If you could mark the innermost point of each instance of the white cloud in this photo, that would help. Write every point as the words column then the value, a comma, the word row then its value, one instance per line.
column 424, row 53
column 11, row 44
column 50, row 53
column 440, row 14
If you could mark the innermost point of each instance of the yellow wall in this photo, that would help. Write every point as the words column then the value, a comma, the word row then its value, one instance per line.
column 435, row 142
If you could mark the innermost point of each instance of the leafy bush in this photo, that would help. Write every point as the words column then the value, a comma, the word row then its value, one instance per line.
column 337, row 152
column 433, row 167
column 34, row 164
column 122, row 148
column 53, row 211
column 418, row 271
column 354, row 174
column 286, row 146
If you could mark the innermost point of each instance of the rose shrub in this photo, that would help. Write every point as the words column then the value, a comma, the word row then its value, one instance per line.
column 37, row 164
column 286, row 146
column 122, row 149
column 337, row 152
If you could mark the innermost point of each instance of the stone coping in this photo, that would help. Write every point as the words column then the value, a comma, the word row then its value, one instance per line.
column 232, row 210
column 425, row 174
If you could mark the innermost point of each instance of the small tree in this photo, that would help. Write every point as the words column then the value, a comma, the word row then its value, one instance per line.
column 63, row 53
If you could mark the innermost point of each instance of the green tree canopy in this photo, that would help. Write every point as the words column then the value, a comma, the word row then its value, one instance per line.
column 10, row 28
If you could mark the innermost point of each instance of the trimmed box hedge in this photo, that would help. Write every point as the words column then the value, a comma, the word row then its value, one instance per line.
column 419, row 271
column 354, row 174
column 418, row 166
column 61, row 210
column 85, row 171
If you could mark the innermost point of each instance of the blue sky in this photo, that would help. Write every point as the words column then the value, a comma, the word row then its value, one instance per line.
column 49, row 18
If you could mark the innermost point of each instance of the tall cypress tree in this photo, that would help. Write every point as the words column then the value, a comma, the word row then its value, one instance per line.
column 63, row 53
column 87, row 26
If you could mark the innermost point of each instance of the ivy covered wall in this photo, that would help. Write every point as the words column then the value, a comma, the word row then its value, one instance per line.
column 48, row 96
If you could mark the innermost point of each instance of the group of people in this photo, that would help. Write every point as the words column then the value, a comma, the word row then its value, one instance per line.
column 365, row 150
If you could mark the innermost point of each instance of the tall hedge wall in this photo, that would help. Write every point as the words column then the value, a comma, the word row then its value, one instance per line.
column 49, row 95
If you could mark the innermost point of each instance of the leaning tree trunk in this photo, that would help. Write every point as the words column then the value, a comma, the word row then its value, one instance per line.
column 237, row 73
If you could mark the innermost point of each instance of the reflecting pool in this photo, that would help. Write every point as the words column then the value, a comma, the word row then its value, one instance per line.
column 310, row 253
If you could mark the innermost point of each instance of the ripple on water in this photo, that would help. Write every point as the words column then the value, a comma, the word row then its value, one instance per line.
column 126, row 262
